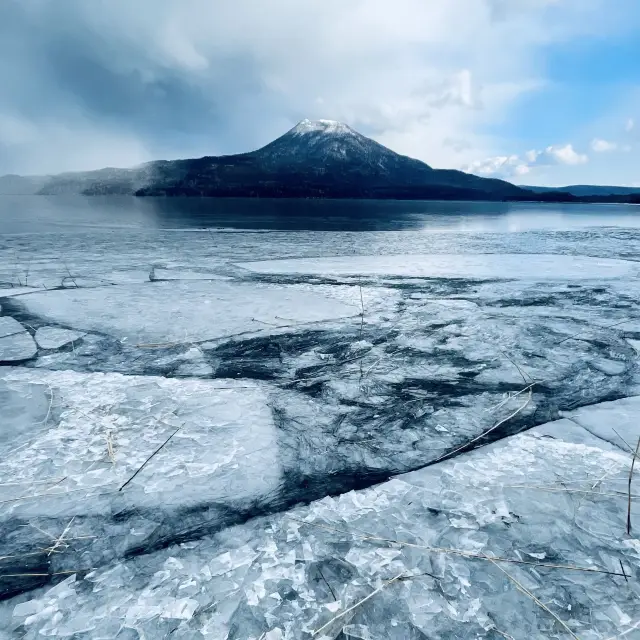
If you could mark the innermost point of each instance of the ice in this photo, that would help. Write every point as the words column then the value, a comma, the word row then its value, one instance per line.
column 328, row 381
column 528, row 501
column 182, row 310
column 86, row 454
column 479, row 266
column 16, row 344
column 603, row 420
column 55, row 337
column 182, row 274
column 9, row 292
column 24, row 413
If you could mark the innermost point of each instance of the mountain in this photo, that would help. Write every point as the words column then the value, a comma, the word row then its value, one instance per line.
column 322, row 159
column 582, row 190
column 315, row 159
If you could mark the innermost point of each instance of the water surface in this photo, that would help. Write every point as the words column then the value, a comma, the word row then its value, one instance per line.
column 42, row 214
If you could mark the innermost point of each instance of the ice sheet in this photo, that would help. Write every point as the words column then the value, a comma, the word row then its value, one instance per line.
column 16, row 344
column 528, row 501
column 139, row 459
column 181, row 311
column 55, row 337
column 478, row 266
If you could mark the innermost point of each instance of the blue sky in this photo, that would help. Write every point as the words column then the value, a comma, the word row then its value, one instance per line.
column 535, row 91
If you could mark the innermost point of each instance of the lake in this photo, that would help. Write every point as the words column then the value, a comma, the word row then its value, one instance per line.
column 28, row 214
column 202, row 397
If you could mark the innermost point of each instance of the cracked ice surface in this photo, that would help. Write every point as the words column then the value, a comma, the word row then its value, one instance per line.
column 322, row 403
column 55, row 338
column 184, row 310
column 479, row 266
column 15, row 342
column 554, row 495
column 93, row 432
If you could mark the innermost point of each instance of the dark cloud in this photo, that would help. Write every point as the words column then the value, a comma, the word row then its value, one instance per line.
column 61, row 69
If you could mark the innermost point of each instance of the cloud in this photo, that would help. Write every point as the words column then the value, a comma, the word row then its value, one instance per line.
column 630, row 125
column 515, row 165
column 507, row 166
column 561, row 154
column 169, row 78
column 601, row 146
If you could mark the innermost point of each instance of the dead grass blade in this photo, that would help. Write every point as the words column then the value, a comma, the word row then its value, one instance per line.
column 146, row 462
column 502, row 633
column 60, row 540
column 362, row 307
column 625, row 633
column 614, row 494
column 633, row 463
column 110, row 451
column 495, row 426
column 20, row 483
column 55, row 573
column 588, row 331
column 460, row 552
column 528, row 593
column 356, row 605
column 623, row 440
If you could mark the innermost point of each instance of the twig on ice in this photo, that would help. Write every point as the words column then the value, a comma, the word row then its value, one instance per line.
column 633, row 462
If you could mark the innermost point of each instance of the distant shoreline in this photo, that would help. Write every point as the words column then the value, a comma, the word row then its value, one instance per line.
column 631, row 199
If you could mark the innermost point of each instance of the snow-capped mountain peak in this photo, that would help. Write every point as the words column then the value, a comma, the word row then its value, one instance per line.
column 320, row 126
column 331, row 147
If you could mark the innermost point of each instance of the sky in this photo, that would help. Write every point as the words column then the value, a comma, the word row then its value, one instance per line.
column 542, row 92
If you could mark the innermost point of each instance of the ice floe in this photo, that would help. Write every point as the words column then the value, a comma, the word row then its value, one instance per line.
column 471, row 266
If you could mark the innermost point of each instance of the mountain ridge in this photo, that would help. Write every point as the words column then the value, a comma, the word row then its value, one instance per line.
column 587, row 190
column 314, row 159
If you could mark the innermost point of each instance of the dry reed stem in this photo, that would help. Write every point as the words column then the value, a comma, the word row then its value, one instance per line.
column 59, row 541
column 520, row 371
column 357, row 604
column 464, row 554
column 495, row 426
column 362, row 315
column 614, row 494
column 17, row 484
column 46, row 495
column 633, row 462
column 623, row 440
column 623, row 571
column 528, row 593
column 144, row 464
column 110, row 451
column 587, row 331
column 55, row 573
column 625, row 633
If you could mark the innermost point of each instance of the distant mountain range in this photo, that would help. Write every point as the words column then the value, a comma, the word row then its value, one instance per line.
column 320, row 159
column 584, row 190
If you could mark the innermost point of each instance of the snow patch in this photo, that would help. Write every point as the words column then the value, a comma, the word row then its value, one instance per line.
column 322, row 126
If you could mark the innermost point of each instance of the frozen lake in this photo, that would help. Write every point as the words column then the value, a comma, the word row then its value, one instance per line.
column 200, row 398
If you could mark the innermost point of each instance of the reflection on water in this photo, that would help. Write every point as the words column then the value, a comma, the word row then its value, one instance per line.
column 36, row 214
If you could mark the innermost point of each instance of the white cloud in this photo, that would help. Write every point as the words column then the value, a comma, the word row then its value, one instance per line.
column 630, row 124
column 562, row 154
column 498, row 165
column 601, row 146
column 515, row 165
